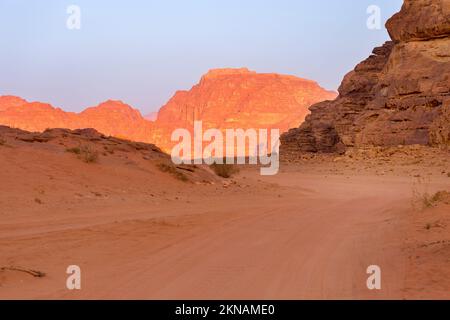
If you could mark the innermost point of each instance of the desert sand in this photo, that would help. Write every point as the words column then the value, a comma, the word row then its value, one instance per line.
column 140, row 230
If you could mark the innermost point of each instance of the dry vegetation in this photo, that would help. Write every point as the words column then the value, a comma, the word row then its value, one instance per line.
column 85, row 153
column 224, row 170
column 429, row 201
column 74, row 150
column 422, row 199
column 34, row 273
column 173, row 171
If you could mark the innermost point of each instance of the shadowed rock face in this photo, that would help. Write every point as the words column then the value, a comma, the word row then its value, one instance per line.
column 400, row 95
column 420, row 20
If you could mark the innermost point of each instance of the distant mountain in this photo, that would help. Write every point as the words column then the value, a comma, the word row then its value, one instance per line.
column 152, row 116
column 245, row 99
column 224, row 98
column 239, row 98
column 117, row 119
column 34, row 116
column 7, row 102
column 113, row 118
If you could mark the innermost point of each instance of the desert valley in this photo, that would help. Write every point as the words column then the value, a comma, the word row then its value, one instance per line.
column 364, row 180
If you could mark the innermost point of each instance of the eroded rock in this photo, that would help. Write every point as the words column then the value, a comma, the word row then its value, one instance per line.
column 400, row 95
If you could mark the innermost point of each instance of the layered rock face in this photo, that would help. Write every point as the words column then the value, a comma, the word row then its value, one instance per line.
column 224, row 98
column 400, row 95
column 239, row 98
column 244, row 99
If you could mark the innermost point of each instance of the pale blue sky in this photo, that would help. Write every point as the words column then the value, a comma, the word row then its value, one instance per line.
column 141, row 52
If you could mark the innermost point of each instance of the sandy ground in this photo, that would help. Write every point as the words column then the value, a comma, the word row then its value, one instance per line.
column 309, row 232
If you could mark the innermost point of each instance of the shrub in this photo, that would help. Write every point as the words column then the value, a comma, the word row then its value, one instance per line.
column 75, row 150
column 88, row 154
column 173, row 171
column 224, row 170
column 429, row 201
column 85, row 153
column 426, row 201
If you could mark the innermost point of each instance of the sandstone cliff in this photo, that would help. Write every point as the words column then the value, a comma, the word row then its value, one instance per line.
column 239, row 98
column 400, row 95
column 244, row 99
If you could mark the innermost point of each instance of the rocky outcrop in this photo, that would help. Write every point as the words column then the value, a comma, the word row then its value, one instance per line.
column 420, row 20
column 400, row 95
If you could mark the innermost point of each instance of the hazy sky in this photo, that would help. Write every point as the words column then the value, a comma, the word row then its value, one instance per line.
column 141, row 52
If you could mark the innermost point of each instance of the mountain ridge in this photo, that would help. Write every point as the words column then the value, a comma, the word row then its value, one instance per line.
column 223, row 98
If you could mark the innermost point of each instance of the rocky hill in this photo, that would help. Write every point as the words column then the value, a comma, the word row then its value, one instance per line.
column 400, row 95
column 79, row 150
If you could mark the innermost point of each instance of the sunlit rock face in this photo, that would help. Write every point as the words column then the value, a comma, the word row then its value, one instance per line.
column 239, row 98
column 224, row 98
column 113, row 118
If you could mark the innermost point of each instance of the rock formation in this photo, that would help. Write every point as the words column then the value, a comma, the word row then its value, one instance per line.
column 34, row 116
column 117, row 119
column 224, row 98
column 239, row 98
column 152, row 116
column 400, row 95
column 111, row 118
column 244, row 99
